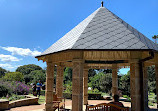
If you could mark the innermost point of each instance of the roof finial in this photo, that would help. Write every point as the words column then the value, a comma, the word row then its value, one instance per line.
column 102, row 4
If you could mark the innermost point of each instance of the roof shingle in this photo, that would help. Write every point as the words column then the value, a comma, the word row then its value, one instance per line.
column 102, row 30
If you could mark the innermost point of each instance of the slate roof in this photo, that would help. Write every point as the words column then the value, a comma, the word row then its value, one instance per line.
column 102, row 30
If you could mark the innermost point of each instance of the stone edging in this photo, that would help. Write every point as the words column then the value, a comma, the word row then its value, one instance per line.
column 29, row 100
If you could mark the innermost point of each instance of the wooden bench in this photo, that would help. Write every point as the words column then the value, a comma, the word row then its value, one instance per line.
column 106, row 107
column 58, row 103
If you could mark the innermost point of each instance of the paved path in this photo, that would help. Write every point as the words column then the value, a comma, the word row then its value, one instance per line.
column 67, row 103
column 28, row 108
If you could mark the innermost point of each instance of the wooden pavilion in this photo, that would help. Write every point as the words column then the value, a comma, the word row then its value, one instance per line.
column 101, row 41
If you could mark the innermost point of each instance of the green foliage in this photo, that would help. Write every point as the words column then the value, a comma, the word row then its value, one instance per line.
column 155, row 37
column 93, row 91
column 68, row 87
column 94, row 81
column 67, row 75
column 105, row 83
column 2, row 72
column 151, row 79
column 124, row 85
column 10, row 87
column 106, row 71
column 4, row 90
column 68, row 80
column 91, row 72
column 13, row 97
column 101, row 81
column 13, row 76
column 152, row 97
column 38, row 75
column 128, row 98
column 28, row 78
column 67, row 95
column 16, row 97
column 26, row 69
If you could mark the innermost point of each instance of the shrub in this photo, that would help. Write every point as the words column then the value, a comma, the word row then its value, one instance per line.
column 67, row 95
column 16, row 97
column 13, row 76
column 21, row 88
column 4, row 91
column 128, row 98
column 5, row 88
column 68, row 87
column 8, row 87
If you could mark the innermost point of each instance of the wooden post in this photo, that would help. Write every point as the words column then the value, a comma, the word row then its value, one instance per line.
column 135, row 86
column 85, row 86
column 49, row 86
column 59, row 80
column 114, row 80
column 145, row 86
column 156, row 74
column 77, row 85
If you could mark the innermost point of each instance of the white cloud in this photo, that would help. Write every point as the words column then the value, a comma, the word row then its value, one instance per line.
column 7, row 66
column 8, row 58
column 21, row 51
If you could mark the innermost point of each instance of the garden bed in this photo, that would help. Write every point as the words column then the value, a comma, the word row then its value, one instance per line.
column 29, row 100
column 4, row 104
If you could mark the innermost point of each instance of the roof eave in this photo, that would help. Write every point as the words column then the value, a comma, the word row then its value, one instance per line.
column 98, row 50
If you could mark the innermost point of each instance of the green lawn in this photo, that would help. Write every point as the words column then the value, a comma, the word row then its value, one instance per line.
column 41, row 99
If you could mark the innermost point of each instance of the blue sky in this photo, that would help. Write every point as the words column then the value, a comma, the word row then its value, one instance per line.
column 28, row 27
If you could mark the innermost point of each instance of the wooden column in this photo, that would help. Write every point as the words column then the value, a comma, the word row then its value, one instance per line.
column 156, row 74
column 114, row 80
column 145, row 86
column 85, row 86
column 49, row 86
column 77, row 85
column 59, row 80
column 135, row 86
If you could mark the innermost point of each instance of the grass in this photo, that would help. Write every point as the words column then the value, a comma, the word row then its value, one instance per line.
column 41, row 99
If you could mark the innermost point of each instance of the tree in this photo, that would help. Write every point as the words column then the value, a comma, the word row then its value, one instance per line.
column 155, row 37
column 67, row 75
column 26, row 69
column 2, row 72
column 38, row 75
column 124, row 85
column 91, row 72
column 151, row 79
column 28, row 78
column 13, row 76
column 105, row 83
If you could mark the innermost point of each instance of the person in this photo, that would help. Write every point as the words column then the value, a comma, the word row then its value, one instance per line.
column 116, row 101
column 39, row 85
column 43, row 87
column 34, row 89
